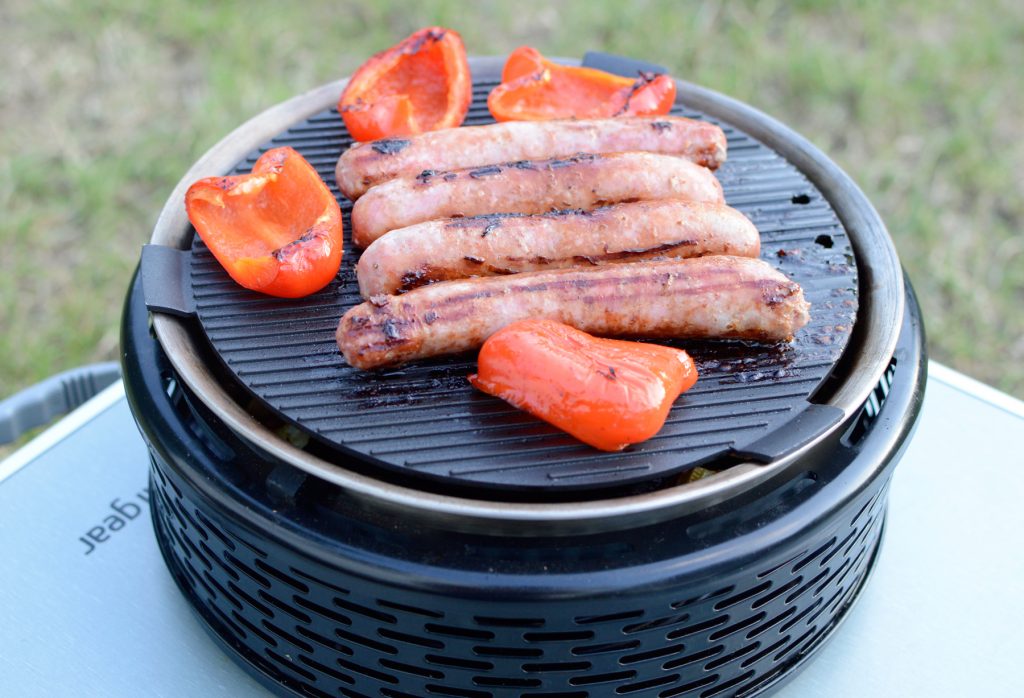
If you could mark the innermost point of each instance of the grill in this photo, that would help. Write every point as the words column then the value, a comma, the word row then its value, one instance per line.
column 426, row 420
column 429, row 540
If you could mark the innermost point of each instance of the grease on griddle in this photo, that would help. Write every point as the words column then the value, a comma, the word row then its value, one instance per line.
column 390, row 387
column 740, row 361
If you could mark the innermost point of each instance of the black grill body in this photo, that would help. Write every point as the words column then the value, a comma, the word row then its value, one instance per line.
column 318, row 593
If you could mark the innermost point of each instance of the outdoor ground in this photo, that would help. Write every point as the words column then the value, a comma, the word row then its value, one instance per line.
column 103, row 106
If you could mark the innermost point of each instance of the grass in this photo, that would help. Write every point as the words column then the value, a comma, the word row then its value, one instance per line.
column 105, row 105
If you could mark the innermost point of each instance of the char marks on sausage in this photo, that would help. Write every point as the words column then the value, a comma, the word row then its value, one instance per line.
column 582, row 181
column 498, row 244
column 367, row 164
column 704, row 297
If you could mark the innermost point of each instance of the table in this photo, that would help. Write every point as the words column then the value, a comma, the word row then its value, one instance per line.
column 82, row 616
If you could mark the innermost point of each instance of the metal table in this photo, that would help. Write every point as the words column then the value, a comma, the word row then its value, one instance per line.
column 87, row 607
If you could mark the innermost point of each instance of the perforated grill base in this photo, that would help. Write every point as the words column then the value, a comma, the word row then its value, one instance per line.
column 425, row 420
column 321, row 630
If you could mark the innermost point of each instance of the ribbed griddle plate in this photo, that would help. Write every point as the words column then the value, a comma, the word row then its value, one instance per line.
column 425, row 419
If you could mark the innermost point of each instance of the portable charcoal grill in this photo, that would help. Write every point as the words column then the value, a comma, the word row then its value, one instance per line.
column 397, row 533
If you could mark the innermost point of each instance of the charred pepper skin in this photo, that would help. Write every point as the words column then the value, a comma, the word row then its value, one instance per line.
column 534, row 88
column 607, row 393
column 277, row 230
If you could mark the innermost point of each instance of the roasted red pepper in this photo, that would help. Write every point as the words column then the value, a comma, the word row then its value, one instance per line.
column 422, row 84
column 606, row 392
column 534, row 88
column 277, row 230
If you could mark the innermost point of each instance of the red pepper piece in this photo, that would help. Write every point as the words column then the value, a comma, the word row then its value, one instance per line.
column 606, row 392
column 534, row 88
column 277, row 230
column 422, row 84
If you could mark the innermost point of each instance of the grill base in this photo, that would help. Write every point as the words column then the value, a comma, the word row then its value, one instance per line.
column 742, row 635
column 317, row 594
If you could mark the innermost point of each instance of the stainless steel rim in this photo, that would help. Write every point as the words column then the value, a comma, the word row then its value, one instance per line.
column 879, row 322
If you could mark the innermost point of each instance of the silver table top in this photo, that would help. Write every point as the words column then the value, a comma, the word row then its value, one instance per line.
column 87, row 607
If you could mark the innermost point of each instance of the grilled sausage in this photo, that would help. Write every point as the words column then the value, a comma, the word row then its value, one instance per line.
column 529, row 186
column 496, row 244
column 367, row 164
column 720, row 296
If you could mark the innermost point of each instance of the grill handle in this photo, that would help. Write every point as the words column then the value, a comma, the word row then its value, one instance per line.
column 166, row 284
column 804, row 427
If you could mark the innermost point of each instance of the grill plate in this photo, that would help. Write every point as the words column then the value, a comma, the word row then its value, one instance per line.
column 425, row 420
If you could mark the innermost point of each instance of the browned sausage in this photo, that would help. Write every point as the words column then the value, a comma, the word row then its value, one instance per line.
column 367, row 164
column 456, row 248
column 720, row 296
column 529, row 186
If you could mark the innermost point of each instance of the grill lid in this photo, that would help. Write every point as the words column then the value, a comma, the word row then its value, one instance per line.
column 425, row 421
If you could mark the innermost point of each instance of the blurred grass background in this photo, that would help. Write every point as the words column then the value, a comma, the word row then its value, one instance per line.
column 103, row 107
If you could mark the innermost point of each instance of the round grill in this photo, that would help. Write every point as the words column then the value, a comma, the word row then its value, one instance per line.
column 426, row 420
column 419, row 439
column 344, row 568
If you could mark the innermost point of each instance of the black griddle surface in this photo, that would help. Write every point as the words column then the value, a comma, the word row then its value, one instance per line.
column 426, row 420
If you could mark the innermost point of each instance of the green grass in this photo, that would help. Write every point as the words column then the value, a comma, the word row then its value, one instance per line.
column 104, row 107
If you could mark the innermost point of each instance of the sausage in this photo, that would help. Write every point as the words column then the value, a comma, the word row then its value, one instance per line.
column 702, row 297
column 496, row 244
column 367, row 164
column 529, row 186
